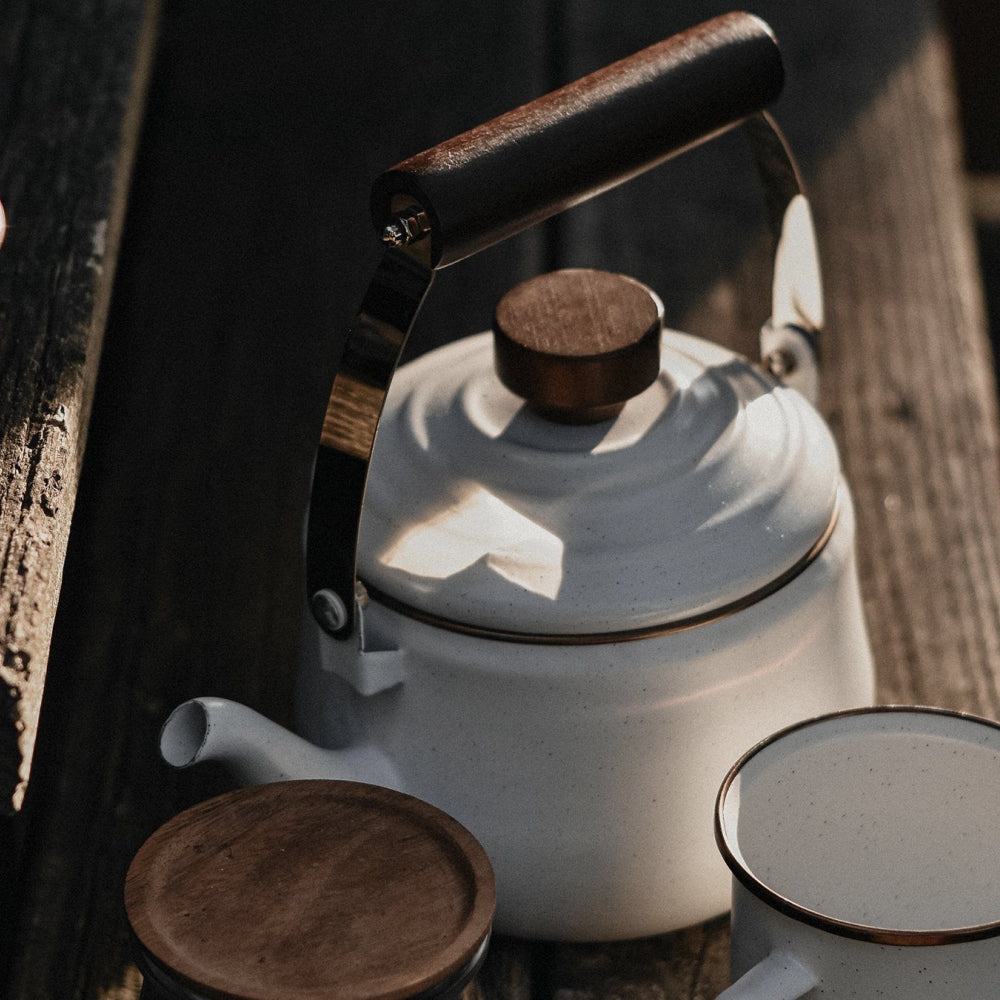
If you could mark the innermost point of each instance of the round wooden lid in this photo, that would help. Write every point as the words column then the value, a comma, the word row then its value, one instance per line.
column 578, row 344
column 303, row 890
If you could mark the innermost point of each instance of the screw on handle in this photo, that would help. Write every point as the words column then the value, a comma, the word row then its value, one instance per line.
column 527, row 165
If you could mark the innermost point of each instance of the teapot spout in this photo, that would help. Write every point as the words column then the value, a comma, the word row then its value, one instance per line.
column 257, row 750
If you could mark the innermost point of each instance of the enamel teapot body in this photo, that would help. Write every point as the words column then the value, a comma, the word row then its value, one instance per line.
column 589, row 772
column 563, row 633
column 587, row 769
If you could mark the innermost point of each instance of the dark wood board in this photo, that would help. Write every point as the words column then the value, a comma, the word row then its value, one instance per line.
column 72, row 78
column 247, row 249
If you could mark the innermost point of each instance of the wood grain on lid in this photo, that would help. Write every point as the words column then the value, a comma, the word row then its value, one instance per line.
column 311, row 889
column 578, row 343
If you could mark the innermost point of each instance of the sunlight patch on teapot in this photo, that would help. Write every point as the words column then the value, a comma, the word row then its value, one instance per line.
column 481, row 527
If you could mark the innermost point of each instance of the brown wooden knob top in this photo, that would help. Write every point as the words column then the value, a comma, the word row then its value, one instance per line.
column 304, row 890
column 577, row 344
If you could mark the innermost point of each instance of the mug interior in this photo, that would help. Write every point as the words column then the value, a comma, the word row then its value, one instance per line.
column 885, row 818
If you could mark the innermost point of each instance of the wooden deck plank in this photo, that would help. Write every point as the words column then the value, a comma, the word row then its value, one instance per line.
column 71, row 84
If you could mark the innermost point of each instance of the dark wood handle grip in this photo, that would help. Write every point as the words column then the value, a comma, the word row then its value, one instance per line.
column 535, row 161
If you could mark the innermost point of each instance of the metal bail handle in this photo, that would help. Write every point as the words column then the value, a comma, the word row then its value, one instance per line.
column 500, row 178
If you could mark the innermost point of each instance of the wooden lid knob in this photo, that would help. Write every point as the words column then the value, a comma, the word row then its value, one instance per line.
column 578, row 344
column 303, row 890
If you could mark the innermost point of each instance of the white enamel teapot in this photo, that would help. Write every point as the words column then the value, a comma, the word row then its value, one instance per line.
column 597, row 560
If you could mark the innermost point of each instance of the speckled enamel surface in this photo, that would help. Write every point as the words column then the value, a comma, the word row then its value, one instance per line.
column 589, row 773
column 866, row 848
column 897, row 828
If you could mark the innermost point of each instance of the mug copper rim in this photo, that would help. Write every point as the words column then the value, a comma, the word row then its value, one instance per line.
column 815, row 918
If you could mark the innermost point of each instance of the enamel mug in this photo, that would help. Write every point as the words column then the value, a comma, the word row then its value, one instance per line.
column 865, row 850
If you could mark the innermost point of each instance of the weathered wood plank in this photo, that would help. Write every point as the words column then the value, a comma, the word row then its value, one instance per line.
column 690, row 963
column 71, row 80
column 916, row 403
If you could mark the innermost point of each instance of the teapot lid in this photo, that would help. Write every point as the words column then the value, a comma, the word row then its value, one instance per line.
column 711, row 484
